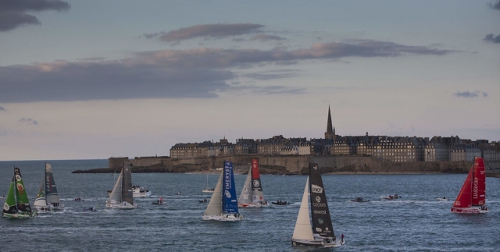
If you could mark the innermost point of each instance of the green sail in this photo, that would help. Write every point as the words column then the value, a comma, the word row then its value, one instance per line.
column 17, row 204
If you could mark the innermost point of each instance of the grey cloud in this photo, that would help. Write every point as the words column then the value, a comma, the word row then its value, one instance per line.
column 469, row 94
column 266, row 37
column 192, row 73
column 222, row 58
column 496, row 5
column 272, row 75
column 2, row 108
column 13, row 12
column 491, row 38
column 28, row 121
column 64, row 81
column 207, row 30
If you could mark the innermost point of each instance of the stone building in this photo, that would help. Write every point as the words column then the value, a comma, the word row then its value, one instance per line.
column 384, row 148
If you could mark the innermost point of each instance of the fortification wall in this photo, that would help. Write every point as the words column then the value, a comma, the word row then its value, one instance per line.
column 294, row 164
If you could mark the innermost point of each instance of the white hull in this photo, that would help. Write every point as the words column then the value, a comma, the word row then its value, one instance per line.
column 207, row 191
column 142, row 194
column 42, row 206
column 123, row 205
column 316, row 243
column 138, row 193
column 253, row 205
column 223, row 217
column 470, row 210
column 17, row 216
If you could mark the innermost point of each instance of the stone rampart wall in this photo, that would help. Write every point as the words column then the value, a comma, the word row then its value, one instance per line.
column 295, row 164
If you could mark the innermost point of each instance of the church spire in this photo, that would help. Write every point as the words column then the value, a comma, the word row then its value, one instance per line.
column 330, row 131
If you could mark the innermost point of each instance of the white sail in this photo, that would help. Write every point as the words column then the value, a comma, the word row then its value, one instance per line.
column 116, row 195
column 246, row 192
column 214, row 207
column 303, row 228
column 47, row 197
column 51, row 189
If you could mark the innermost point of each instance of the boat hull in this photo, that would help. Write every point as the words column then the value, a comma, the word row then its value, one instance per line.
column 123, row 205
column 42, row 206
column 470, row 210
column 316, row 243
column 18, row 216
column 223, row 217
column 253, row 205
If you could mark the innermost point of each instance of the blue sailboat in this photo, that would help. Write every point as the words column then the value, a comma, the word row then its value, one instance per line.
column 223, row 205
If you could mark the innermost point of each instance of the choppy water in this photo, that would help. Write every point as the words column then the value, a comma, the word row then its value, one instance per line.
column 417, row 222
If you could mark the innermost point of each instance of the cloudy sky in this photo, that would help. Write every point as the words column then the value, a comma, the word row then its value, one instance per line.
column 99, row 79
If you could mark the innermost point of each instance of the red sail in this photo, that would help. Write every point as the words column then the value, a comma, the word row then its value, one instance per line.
column 479, row 183
column 255, row 169
column 464, row 198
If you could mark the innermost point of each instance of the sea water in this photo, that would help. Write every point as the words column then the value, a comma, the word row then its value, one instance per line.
column 416, row 222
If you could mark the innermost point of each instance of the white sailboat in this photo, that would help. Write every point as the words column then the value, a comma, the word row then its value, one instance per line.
column 224, row 206
column 122, row 196
column 207, row 189
column 252, row 194
column 320, row 231
column 47, row 198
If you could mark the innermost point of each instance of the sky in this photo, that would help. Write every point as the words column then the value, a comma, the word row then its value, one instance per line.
column 97, row 79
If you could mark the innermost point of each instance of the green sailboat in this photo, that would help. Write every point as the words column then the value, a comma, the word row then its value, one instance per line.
column 17, row 204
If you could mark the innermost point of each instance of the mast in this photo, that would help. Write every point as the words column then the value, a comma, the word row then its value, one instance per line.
column 303, row 228
column 229, row 201
column 215, row 205
column 127, row 193
column 246, row 192
column 464, row 197
column 51, row 195
column 320, row 214
column 479, row 183
column 257, row 194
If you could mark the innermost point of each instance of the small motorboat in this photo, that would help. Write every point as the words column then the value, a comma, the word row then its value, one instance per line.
column 280, row 202
column 359, row 199
column 158, row 201
column 391, row 197
column 203, row 201
column 441, row 199
column 90, row 209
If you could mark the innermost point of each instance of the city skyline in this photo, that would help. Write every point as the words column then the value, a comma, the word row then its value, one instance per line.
column 96, row 79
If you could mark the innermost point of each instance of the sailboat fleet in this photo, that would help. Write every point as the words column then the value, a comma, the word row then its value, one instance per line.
column 122, row 196
column 251, row 194
column 47, row 198
column 317, row 231
column 223, row 205
column 313, row 225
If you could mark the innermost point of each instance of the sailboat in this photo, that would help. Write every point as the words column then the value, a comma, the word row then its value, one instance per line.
column 320, row 233
column 251, row 194
column 47, row 198
column 207, row 189
column 472, row 196
column 122, row 196
column 224, row 206
column 17, row 204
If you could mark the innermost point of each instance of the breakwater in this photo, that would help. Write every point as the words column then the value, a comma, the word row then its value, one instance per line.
column 283, row 165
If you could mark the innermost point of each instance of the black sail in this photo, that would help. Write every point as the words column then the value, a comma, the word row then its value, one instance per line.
column 127, row 193
column 320, row 215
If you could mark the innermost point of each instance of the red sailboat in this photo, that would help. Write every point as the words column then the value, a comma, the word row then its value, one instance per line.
column 472, row 196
